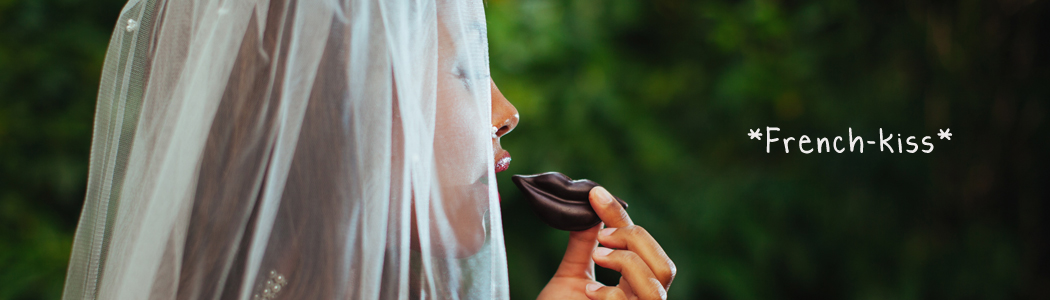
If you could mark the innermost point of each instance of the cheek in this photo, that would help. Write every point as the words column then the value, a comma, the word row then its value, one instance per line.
column 460, row 142
column 462, row 156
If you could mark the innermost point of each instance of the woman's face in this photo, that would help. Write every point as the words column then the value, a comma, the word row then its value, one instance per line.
column 462, row 163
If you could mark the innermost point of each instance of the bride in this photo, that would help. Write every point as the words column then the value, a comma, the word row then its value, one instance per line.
column 314, row 149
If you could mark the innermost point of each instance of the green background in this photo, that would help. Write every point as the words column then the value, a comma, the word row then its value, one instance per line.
column 654, row 99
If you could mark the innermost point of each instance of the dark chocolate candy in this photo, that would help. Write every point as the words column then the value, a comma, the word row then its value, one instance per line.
column 561, row 202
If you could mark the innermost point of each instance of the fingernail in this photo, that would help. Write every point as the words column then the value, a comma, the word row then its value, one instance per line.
column 604, row 196
column 607, row 231
column 602, row 251
column 594, row 286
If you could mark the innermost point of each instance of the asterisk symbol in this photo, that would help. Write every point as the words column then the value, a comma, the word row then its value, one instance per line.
column 945, row 134
column 755, row 134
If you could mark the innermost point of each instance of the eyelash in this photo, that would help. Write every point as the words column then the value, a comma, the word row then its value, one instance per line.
column 466, row 76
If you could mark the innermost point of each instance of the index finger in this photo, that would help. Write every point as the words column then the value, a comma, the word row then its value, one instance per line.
column 608, row 209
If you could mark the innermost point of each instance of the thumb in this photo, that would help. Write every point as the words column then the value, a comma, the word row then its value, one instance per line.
column 610, row 211
column 577, row 261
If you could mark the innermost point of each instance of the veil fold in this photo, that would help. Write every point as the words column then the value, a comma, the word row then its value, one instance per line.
column 292, row 149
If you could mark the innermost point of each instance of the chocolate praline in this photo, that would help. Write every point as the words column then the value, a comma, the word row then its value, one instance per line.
column 559, row 201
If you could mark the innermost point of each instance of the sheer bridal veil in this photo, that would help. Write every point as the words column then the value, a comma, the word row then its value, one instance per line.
column 292, row 149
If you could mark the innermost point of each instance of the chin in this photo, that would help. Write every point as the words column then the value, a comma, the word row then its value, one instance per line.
column 466, row 209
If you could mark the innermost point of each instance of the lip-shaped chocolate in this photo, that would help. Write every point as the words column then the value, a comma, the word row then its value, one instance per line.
column 561, row 202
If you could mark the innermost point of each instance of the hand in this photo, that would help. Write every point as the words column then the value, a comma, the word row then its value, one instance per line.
column 629, row 249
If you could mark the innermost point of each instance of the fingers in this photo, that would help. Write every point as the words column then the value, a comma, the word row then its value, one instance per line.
column 596, row 290
column 626, row 287
column 608, row 209
column 646, row 269
column 636, row 239
column 643, row 282
column 577, row 260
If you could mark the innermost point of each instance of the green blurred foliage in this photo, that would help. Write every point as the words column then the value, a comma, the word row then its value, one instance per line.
column 653, row 99
column 51, row 55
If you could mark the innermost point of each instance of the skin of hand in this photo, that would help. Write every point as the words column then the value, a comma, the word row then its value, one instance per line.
column 646, row 270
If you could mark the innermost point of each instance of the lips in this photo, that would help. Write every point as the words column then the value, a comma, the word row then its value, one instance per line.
column 502, row 160
column 559, row 201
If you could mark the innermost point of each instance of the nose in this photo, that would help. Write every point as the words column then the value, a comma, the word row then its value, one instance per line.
column 504, row 115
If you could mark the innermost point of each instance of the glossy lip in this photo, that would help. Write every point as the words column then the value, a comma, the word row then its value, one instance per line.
column 502, row 160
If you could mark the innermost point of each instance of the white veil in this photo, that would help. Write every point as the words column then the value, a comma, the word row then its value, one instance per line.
column 292, row 149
